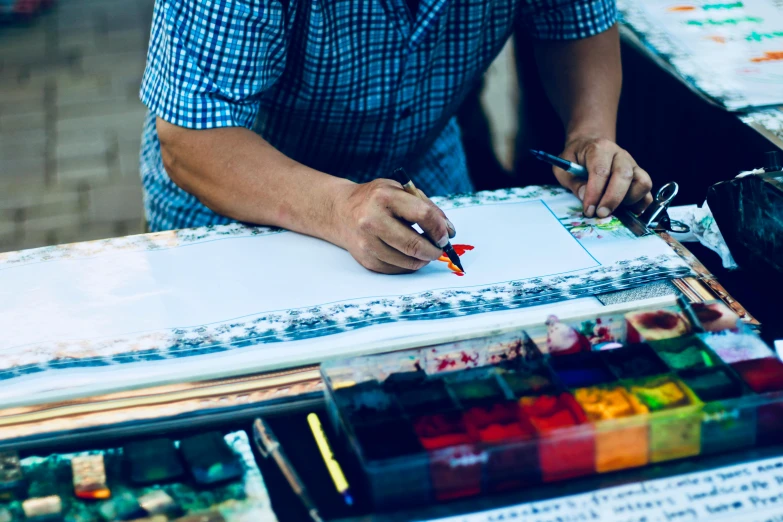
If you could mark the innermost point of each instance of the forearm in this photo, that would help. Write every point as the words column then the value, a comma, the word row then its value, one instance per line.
column 236, row 173
column 583, row 79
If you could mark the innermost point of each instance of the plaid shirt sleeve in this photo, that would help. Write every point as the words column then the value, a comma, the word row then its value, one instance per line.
column 567, row 19
column 209, row 59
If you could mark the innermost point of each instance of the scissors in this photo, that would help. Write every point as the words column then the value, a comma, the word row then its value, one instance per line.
column 656, row 216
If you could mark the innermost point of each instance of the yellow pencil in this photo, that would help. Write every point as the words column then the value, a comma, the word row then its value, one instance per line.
column 335, row 471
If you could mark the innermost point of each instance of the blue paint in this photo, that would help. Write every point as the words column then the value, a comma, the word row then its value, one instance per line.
column 581, row 369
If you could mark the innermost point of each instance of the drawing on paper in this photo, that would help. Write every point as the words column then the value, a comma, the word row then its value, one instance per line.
column 582, row 227
column 460, row 250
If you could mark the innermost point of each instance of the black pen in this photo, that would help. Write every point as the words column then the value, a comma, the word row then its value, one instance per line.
column 407, row 184
column 568, row 166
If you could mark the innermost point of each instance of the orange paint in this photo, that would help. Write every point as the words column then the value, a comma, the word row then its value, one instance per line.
column 718, row 39
column 459, row 249
column 682, row 8
column 769, row 56
column 95, row 494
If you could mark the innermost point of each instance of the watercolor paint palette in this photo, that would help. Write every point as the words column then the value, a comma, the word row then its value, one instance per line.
column 555, row 402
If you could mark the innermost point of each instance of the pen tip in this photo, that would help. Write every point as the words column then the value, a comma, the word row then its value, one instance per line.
column 454, row 258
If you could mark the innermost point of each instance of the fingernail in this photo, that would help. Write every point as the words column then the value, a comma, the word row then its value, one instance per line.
column 443, row 241
column 603, row 212
column 581, row 193
column 452, row 230
column 590, row 210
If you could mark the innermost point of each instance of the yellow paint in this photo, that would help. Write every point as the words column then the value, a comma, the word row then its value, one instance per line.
column 335, row 471
column 675, row 423
column 621, row 439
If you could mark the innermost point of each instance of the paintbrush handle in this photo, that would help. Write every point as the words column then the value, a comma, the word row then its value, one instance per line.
column 411, row 189
column 408, row 186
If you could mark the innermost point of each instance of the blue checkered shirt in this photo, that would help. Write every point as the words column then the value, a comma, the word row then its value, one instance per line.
column 354, row 88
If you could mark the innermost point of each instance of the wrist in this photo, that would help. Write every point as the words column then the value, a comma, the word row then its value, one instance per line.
column 335, row 197
column 590, row 131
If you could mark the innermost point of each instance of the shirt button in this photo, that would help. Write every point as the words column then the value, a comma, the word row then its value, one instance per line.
column 406, row 112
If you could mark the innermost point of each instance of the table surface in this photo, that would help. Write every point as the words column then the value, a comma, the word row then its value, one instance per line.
column 768, row 121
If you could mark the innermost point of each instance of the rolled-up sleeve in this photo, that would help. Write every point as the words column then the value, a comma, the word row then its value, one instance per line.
column 567, row 19
column 209, row 60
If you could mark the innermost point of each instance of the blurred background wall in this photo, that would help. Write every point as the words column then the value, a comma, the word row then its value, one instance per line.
column 70, row 120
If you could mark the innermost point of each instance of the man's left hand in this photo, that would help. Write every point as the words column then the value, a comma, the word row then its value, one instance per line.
column 614, row 177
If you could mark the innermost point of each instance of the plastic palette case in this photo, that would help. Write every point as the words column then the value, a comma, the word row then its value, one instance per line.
column 554, row 402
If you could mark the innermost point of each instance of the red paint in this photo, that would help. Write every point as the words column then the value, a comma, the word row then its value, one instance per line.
column 444, row 364
column 603, row 333
column 461, row 249
column 762, row 375
column 660, row 320
column 662, row 324
column 513, row 465
column 456, row 472
column 502, row 421
column 559, row 458
column 706, row 315
column 441, row 430
column 467, row 359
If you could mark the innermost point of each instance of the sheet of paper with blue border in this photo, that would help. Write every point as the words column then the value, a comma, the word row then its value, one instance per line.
column 213, row 302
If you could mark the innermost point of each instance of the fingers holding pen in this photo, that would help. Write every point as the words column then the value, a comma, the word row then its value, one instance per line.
column 375, row 221
column 614, row 178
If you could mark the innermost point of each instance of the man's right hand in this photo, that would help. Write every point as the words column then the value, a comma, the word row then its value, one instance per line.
column 373, row 220
column 236, row 173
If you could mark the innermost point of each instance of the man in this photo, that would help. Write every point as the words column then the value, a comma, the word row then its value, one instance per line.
column 291, row 112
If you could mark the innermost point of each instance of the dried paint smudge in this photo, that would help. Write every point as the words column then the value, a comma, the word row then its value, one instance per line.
column 770, row 56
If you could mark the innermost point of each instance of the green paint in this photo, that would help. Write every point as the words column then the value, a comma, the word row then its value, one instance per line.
column 476, row 390
column 689, row 357
column 715, row 7
column 651, row 400
column 727, row 21
column 758, row 37
column 683, row 353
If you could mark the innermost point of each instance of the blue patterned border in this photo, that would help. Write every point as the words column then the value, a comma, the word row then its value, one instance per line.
column 312, row 322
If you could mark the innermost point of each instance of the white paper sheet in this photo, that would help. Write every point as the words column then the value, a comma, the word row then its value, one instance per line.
column 125, row 292
column 732, row 50
column 751, row 492
column 215, row 302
